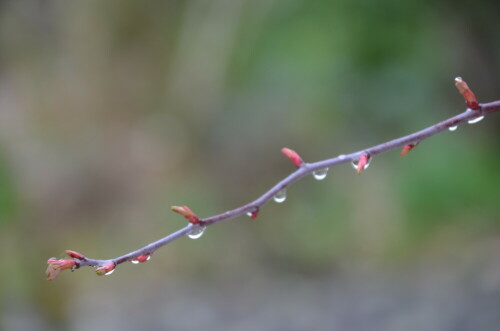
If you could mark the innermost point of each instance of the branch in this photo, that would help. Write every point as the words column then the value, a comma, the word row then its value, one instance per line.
column 360, row 160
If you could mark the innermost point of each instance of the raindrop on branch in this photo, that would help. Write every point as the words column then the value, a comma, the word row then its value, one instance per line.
column 109, row 272
column 453, row 128
column 475, row 120
column 280, row 196
column 320, row 174
column 196, row 231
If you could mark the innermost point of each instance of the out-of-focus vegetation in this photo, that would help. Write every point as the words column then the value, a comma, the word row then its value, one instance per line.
column 112, row 111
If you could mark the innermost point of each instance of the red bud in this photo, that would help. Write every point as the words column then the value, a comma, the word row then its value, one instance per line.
column 293, row 156
column 407, row 148
column 105, row 269
column 187, row 213
column 142, row 258
column 75, row 255
column 362, row 162
column 466, row 92
column 254, row 213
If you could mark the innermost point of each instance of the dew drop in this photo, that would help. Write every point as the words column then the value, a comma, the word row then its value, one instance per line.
column 320, row 174
column 354, row 164
column 453, row 128
column 109, row 272
column 196, row 231
column 280, row 196
column 342, row 156
column 475, row 120
column 134, row 262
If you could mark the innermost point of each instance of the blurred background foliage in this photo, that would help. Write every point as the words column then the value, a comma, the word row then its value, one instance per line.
column 112, row 111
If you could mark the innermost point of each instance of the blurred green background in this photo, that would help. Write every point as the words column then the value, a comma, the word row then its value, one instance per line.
column 112, row 111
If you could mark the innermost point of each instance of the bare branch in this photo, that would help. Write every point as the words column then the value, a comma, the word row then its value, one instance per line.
column 195, row 225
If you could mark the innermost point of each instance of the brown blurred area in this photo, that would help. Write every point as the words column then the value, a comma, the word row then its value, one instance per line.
column 112, row 111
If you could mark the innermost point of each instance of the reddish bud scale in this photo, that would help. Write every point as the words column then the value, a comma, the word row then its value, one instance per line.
column 362, row 162
column 407, row 148
column 75, row 255
column 467, row 93
column 254, row 214
column 142, row 258
column 293, row 156
column 187, row 213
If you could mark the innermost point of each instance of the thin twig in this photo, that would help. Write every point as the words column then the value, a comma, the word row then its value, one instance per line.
column 304, row 169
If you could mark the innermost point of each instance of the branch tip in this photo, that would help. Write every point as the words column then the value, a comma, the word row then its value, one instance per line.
column 55, row 267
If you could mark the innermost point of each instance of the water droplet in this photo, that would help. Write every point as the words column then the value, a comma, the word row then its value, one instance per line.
column 354, row 164
column 342, row 156
column 134, row 262
column 453, row 128
column 475, row 120
column 320, row 174
column 109, row 272
column 196, row 231
column 280, row 196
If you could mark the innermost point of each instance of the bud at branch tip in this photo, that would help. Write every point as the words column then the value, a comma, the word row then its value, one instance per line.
column 55, row 267
column 293, row 156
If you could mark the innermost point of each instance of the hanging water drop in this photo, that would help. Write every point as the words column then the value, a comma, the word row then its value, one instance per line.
column 109, row 272
column 134, row 262
column 196, row 231
column 320, row 174
column 475, row 120
column 453, row 128
column 280, row 196
column 342, row 156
